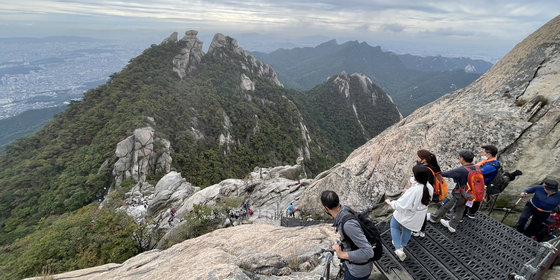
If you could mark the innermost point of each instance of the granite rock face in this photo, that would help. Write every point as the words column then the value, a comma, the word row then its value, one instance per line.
column 141, row 154
column 242, row 252
column 514, row 106
column 191, row 55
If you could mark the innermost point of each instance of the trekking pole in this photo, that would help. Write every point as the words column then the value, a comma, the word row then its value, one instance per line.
column 507, row 213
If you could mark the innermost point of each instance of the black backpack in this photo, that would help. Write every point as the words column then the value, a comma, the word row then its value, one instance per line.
column 370, row 231
column 499, row 182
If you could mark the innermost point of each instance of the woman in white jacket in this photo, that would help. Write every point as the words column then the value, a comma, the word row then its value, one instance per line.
column 410, row 209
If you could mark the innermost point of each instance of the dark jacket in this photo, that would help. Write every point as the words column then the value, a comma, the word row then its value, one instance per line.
column 542, row 200
column 460, row 176
column 364, row 252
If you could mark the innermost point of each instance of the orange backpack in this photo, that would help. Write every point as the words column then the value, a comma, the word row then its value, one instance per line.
column 475, row 183
column 440, row 187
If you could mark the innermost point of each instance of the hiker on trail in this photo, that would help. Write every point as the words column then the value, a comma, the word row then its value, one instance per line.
column 291, row 210
column 489, row 167
column 357, row 263
column 410, row 209
column 546, row 198
column 459, row 195
column 429, row 160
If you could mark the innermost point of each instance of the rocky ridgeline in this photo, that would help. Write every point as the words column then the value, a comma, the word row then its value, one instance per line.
column 514, row 106
column 222, row 47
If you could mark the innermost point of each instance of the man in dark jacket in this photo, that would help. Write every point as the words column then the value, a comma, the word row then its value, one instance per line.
column 357, row 263
column 544, row 201
column 458, row 197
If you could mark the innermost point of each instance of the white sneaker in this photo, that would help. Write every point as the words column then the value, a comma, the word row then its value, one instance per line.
column 400, row 253
column 429, row 218
column 445, row 223
column 421, row 234
column 416, row 233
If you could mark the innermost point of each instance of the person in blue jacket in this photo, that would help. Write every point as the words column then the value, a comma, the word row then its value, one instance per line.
column 489, row 167
column 546, row 197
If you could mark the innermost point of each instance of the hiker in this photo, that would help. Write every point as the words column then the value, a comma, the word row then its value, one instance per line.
column 291, row 210
column 546, row 197
column 410, row 209
column 459, row 195
column 489, row 167
column 429, row 160
column 357, row 263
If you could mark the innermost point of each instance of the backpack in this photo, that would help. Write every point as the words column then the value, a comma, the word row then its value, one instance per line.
column 475, row 183
column 370, row 231
column 499, row 182
column 440, row 187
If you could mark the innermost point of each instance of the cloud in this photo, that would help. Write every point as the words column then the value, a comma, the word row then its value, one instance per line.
column 397, row 19
column 393, row 27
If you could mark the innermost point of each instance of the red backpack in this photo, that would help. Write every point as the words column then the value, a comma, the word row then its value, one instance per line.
column 440, row 187
column 475, row 183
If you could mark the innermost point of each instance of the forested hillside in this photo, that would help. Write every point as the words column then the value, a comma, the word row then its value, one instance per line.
column 221, row 117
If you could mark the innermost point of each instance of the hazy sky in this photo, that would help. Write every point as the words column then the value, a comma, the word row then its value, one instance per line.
column 474, row 27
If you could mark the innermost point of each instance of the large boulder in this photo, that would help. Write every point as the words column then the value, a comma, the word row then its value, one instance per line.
column 514, row 106
column 243, row 252
column 141, row 154
column 170, row 192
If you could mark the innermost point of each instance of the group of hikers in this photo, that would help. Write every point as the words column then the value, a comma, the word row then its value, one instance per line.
column 425, row 186
column 243, row 213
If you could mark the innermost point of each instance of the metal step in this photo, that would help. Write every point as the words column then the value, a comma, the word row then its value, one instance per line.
column 481, row 248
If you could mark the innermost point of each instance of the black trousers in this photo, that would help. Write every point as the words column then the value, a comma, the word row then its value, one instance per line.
column 536, row 222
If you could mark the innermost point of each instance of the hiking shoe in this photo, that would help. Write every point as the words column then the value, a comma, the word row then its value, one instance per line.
column 429, row 218
column 400, row 254
column 445, row 223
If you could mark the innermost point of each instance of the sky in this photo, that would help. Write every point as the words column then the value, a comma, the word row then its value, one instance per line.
column 486, row 29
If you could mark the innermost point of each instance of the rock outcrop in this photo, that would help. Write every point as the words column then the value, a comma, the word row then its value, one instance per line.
column 267, row 190
column 170, row 192
column 225, row 46
column 243, row 252
column 191, row 55
column 514, row 106
column 141, row 154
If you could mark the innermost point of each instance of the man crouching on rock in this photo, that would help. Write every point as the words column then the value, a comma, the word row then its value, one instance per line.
column 357, row 262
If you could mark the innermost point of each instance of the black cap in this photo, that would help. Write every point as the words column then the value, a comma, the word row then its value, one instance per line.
column 551, row 185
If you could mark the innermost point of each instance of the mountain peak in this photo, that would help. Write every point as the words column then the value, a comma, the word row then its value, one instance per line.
column 330, row 43
column 190, row 56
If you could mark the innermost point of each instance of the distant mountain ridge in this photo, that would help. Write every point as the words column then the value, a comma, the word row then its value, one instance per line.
column 410, row 80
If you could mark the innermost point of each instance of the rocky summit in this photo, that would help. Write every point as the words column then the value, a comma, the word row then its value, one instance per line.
column 514, row 106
